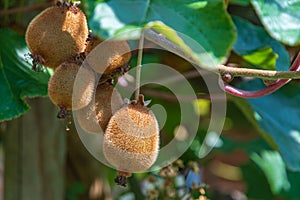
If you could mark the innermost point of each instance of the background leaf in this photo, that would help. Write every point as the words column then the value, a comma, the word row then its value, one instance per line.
column 274, row 168
column 280, row 18
column 257, row 184
column 240, row 2
column 277, row 114
column 206, row 22
column 268, row 167
column 253, row 42
column 17, row 80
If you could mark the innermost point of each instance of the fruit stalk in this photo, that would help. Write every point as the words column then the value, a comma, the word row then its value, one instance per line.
column 139, row 66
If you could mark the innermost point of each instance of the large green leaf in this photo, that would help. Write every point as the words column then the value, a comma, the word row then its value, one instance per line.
column 247, row 110
column 275, row 173
column 206, row 22
column 278, row 115
column 255, row 45
column 240, row 2
column 257, row 184
column 255, row 189
column 280, row 18
column 17, row 80
column 294, row 180
column 281, row 181
column 268, row 167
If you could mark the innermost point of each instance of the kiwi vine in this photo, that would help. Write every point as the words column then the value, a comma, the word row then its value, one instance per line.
column 93, row 99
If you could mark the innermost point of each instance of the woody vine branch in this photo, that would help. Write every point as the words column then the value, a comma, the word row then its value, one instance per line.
column 280, row 77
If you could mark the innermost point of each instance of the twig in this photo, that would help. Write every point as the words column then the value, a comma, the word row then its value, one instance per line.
column 282, row 77
column 275, row 86
column 25, row 9
column 234, row 71
column 263, row 74
column 171, row 97
column 168, row 45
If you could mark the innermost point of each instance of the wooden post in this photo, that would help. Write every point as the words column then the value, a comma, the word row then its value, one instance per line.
column 34, row 147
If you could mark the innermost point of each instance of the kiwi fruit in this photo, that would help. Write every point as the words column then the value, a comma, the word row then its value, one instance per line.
column 109, row 56
column 68, row 94
column 91, row 42
column 131, row 139
column 56, row 35
column 94, row 117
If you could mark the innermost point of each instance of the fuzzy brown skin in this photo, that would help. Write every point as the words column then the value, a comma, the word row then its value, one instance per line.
column 56, row 35
column 108, row 56
column 95, row 117
column 91, row 44
column 131, row 140
column 64, row 93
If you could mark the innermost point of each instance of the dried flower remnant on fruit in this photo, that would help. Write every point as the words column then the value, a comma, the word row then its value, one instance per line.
column 67, row 4
column 94, row 117
column 109, row 56
column 64, row 93
column 121, row 179
column 56, row 35
column 131, row 140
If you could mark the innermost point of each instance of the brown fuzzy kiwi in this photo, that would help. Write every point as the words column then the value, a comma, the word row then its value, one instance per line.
column 109, row 56
column 68, row 94
column 56, row 35
column 94, row 117
column 131, row 140
column 91, row 43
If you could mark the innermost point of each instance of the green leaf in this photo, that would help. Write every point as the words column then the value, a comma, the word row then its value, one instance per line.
column 268, row 167
column 206, row 22
column 265, row 58
column 254, row 44
column 250, row 114
column 282, row 181
column 229, row 145
column 280, row 18
column 74, row 191
column 293, row 192
column 17, row 80
column 90, row 5
column 274, row 168
column 240, row 2
column 278, row 115
column 257, row 184
column 170, row 34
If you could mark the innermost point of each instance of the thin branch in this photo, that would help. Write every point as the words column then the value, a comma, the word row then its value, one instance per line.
column 263, row 74
column 25, row 9
column 160, row 40
column 234, row 71
column 282, row 77
column 259, row 93
column 171, row 97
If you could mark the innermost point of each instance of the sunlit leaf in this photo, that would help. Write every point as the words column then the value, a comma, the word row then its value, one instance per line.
column 17, row 80
column 205, row 22
column 277, row 115
column 280, row 18
column 255, row 44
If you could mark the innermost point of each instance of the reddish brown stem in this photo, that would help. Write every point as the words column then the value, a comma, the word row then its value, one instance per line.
column 268, row 90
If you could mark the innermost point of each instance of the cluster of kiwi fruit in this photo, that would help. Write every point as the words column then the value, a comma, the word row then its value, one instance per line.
column 59, row 38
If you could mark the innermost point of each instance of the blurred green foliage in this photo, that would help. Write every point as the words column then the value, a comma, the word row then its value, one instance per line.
column 273, row 168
